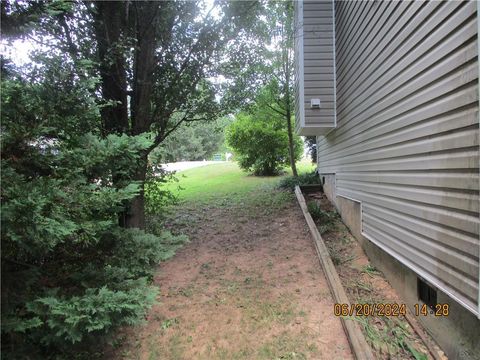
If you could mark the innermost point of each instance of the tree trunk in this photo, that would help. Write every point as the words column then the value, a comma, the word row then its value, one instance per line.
column 134, row 214
column 291, row 145
column 109, row 27
column 288, row 103
column 112, row 26
column 146, row 17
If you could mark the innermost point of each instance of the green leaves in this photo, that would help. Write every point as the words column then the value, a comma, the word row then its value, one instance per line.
column 261, row 145
column 70, row 319
column 69, row 273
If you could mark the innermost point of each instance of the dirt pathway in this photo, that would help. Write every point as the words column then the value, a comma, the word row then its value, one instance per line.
column 247, row 286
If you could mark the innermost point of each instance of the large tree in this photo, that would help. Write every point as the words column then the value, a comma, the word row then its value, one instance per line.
column 155, row 61
column 278, row 94
column 108, row 82
column 269, row 83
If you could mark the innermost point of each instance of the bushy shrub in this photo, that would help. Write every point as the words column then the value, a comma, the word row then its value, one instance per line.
column 70, row 274
column 289, row 182
column 261, row 146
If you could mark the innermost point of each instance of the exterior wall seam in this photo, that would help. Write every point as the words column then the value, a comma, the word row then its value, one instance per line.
column 478, row 64
column 334, row 70
column 301, row 59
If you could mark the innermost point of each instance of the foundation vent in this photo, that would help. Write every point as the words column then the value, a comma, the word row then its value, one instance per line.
column 426, row 293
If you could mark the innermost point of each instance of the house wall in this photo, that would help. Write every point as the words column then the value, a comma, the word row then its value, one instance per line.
column 406, row 145
column 402, row 164
column 457, row 334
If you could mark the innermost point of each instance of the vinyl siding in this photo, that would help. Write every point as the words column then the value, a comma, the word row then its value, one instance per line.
column 406, row 143
column 314, row 66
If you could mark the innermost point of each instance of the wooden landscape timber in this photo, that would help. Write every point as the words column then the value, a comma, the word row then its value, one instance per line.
column 358, row 344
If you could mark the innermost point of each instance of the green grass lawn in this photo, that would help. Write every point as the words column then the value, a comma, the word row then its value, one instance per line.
column 218, row 180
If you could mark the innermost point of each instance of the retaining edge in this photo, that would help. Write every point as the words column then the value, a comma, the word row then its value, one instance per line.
column 360, row 348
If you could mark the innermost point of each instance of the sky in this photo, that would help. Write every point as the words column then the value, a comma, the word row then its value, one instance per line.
column 18, row 51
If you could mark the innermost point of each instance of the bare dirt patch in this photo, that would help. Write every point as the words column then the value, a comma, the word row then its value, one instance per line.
column 247, row 286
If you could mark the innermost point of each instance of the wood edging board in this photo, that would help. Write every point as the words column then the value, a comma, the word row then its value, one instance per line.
column 361, row 350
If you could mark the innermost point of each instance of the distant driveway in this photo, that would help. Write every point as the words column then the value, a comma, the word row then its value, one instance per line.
column 185, row 165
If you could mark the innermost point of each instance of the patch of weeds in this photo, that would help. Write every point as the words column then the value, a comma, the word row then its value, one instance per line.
column 335, row 254
column 176, row 347
column 154, row 354
column 267, row 202
column 324, row 228
column 169, row 323
column 231, row 286
column 289, row 347
column 289, row 182
column 370, row 270
column 278, row 312
column 345, row 240
column 118, row 341
column 245, row 353
column 348, row 258
column 187, row 292
column 389, row 337
column 362, row 286
column 204, row 267
column 416, row 354
column 336, row 257
column 326, row 219
column 253, row 282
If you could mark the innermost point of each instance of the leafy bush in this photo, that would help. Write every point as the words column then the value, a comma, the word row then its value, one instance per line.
column 326, row 219
column 70, row 274
column 289, row 182
column 261, row 146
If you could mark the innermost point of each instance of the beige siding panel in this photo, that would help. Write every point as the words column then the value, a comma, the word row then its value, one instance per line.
column 434, row 179
column 321, row 50
column 318, row 42
column 315, row 40
column 323, row 91
column 319, row 63
column 466, row 244
column 298, row 65
column 406, row 143
column 316, row 5
column 441, row 275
